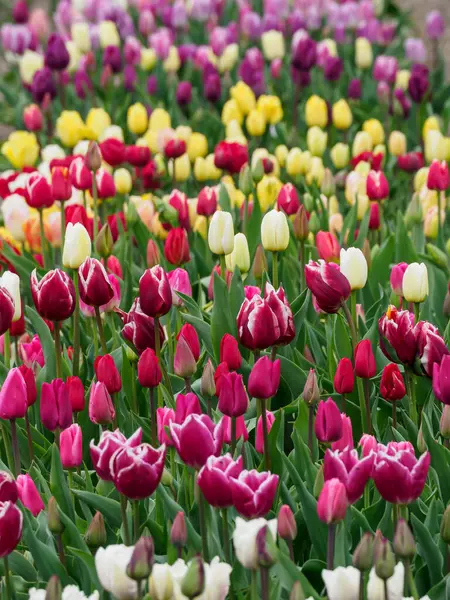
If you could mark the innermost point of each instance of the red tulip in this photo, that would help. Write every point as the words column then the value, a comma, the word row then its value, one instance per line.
column 8, row 488
column 398, row 335
column 139, row 329
column 344, row 378
column 176, row 247
column 333, row 501
column 288, row 199
column 71, row 447
column 101, row 408
column 138, row 156
column 179, row 201
column 53, row 295
column 410, row 162
column 80, row 175
column 281, row 308
column 345, row 442
column 137, row 471
column 258, row 326
column 365, row 365
column 219, row 373
column 392, row 386
column 330, row 287
column 197, row 439
column 259, row 440
column 113, row 151
column 230, row 156
column 164, row 417
column 377, row 185
column 229, row 352
column 186, row 404
column 287, row 527
column 106, row 372
column 149, row 371
column 438, row 176
column 29, row 495
column 6, row 310
column 328, row 425
column 233, row 399
column 174, row 148
column 39, row 193
column 207, row 202
column 110, row 441
column 94, row 284
column 32, row 115
column 13, row 396
column 56, row 409
column 396, row 278
column 214, row 479
column 61, row 184
column 441, row 380
column 75, row 390
column 241, row 429
column 264, row 378
column 11, row 522
column 374, row 217
column 327, row 246
column 106, row 188
column 190, row 335
column 253, row 493
column 154, row 292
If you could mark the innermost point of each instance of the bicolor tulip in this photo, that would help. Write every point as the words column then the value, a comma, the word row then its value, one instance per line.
column 139, row 328
column 350, row 470
column 214, row 479
column 154, row 292
column 179, row 282
column 11, row 522
column 330, row 287
column 53, row 295
column 94, row 284
column 164, row 417
column 8, row 488
column 277, row 301
column 258, row 326
column 137, row 471
column 110, row 442
column 253, row 493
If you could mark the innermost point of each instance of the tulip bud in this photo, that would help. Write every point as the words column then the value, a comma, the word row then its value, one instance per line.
column 415, row 283
column 384, row 559
column 318, row 482
column 258, row 171
column 363, row 554
column 105, row 242
column 266, row 548
column 444, row 426
column 297, row 592
column 328, row 186
column 167, row 478
column 93, row 158
column 259, row 262
column 149, row 371
column 95, row 535
column 287, row 527
column 178, row 533
column 153, row 257
column 275, row 231
column 54, row 521
column 333, row 502
column 221, row 233
column 308, row 202
column 300, row 224
column 445, row 525
column 207, row 384
column 314, row 223
column 184, row 362
column 311, row 392
column 245, row 180
column 404, row 543
column 53, row 590
column 193, row 582
column 141, row 562
column 437, row 256
column 421, row 444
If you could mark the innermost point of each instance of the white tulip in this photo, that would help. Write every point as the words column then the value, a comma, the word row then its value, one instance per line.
column 70, row 592
column 15, row 212
column 217, row 580
column 11, row 283
column 375, row 587
column 77, row 246
column 415, row 283
column 275, row 231
column 111, row 564
column 161, row 583
column 244, row 540
column 221, row 233
column 51, row 151
column 342, row 583
column 354, row 267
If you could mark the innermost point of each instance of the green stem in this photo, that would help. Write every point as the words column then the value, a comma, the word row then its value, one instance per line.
column 244, row 224
column 170, row 343
column 354, row 316
column 126, row 529
column 15, row 445
column 254, row 586
column 58, row 350
column 153, row 421
column 233, row 435
column 43, row 240
column 95, row 202
column 226, row 536
column 330, row 547
column 412, row 589
column 265, row 583
column 386, row 591
column 136, row 524
column 202, row 518
column 262, row 403
column 63, row 224
column 223, row 267
column 416, row 311
column 310, row 427
column 275, row 270
column 351, row 324
column 7, row 349
column 302, row 265
column 367, row 405
column 8, row 580
column 157, row 338
column 411, row 387
column 76, row 327
column 100, row 329
column 29, row 438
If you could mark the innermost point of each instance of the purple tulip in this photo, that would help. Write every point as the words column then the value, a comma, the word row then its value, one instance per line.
column 435, row 25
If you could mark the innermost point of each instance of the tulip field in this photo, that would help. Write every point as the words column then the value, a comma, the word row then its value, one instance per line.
column 224, row 301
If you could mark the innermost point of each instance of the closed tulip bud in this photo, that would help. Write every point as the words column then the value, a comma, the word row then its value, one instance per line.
column 149, row 371
column 316, row 112
column 444, row 425
column 415, row 283
column 300, row 224
column 77, row 246
column 53, row 519
column 95, row 535
column 193, row 582
column 259, row 263
column 185, row 363
column 327, row 246
column 13, row 396
column 275, row 231
column 421, row 444
column 93, row 157
column 123, row 181
column 328, row 186
column 75, row 391
column 229, row 352
column 354, row 267
column 363, row 554
column 316, row 140
column 101, row 408
column 342, row 115
column 105, row 242
column 363, row 53
column 240, row 256
column 221, row 233
column 107, row 372
column 29, row 495
column 53, row 591
column 297, row 592
column 287, row 527
column 257, row 171
column 153, row 257
column 264, row 378
column 332, row 503
column 384, row 560
column 328, row 424
column 318, row 482
column 397, row 144
column 314, row 223
column 311, row 392
column 178, row 532
column 445, row 526
column 11, row 523
column 404, row 543
column 233, row 399
column 266, row 548
column 365, row 365
column 141, row 562
column 344, row 378
column 438, row 176
column 71, row 447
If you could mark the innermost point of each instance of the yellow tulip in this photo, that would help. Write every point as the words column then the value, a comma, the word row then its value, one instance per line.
column 21, row 149
column 271, row 107
column 240, row 256
column 402, row 79
column 362, row 143
column 172, row 63
column 435, row 146
column 281, row 152
column 431, row 124
column 293, row 162
column 244, row 97
column 316, row 140
column 80, row 35
column 137, row 118
column 255, row 123
column 159, row 119
column 272, row 44
column 197, row 146
column 228, row 59
column 342, row 115
column 420, row 179
column 340, row 155
column 123, row 181
column 316, row 172
column 108, row 34
column 182, row 168
column 316, row 112
column 148, row 59
column 267, row 191
column 232, row 112
column 29, row 64
column 397, row 143
column 375, row 129
column 363, row 53
column 97, row 121
column 70, row 127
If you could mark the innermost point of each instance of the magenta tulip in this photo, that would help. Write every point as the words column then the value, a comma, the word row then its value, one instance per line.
column 333, row 501
column 259, row 443
column 164, row 417
column 13, row 396
column 229, row 352
column 441, row 380
column 214, row 479
column 399, row 477
column 29, row 495
column 101, row 408
column 197, row 439
column 8, row 488
column 233, row 399
column 56, row 409
column 253, row 493
column 264, row 378
column 186, row 404
column 350, row 471
column 53, row 295
column 345, row 442
column 137, row 471
column 94, row 284
column 71, row 447
column 11, row 522
column 328, row 425
column 149, row 371
column 329, row 286
column 110, row 441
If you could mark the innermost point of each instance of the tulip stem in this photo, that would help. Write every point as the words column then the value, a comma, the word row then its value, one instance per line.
column 302, row 265
column 57, row 350
column 394, row 415
column 8, row 581
column 416, row 311
column 136, row 524
column 367, row 404
column 386, row 591
column 226, row 536
column 223, row 267
column 411, row 387
column 157, row 338
column 254, row 585
column 76, row 327
column 15, row 446
column 265, row 583
column 244, row 223
column 7, row 446
column 202, row 518
column 330, row 548
column 95, row 202
column 233, row 435
column 153, row 425
column 275, row 270
column 412, row 589
column 361, row 585
column 126, row 529
column 29, row 438
column 100, row 329
column 351, row 324
column 43, row 240
column 63, row 223
column 265, row 434
column 7, row 349
column 310, row 427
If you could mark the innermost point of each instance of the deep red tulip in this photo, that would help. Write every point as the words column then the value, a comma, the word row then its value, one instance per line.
column 39, row 192
column 94, row 284
column 61, row 184
column 106, row 188
column 222, row 369
column 190, row 335
column 410, row 162
column 176, row 247
column 107, row 372
column 333, row 501
column 344, row 378
column 330, row 287
column 441, row 380
column 29, row 495
column 327, row 246
column 288, row 199
column 13, row 396
column 137, row 471
column 11, row 522
column 149, row 371
column 75, row 390
column 253, row 493
column 186, row 404
column 328, row 425
column 56, row 409
column 197, row 439
column 164, row 417
column 154, row 292
column 71, row 447
column 110, row 442
column 438, row 176
column 229, row 352
column 207, row 201
column 233, row 399
column 259, row 438
column 398, row 335
column 8, row 488
column 277, row 301
column 113, row 151
column 138, row 156
column 214, row 479
column 258, row 326
column 374, row 217
column 365, row 365
column 377, row 185
column 30, row 382
column 101, row 408
column 53, row 295
column 287, row 527
column 174, row 148
column 139, row 329
column 264, row 378
column 230, row 156
column 392, row 386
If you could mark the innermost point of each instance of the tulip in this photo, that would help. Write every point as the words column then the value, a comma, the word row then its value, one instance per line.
column 13, row 396
column 208, row 439
column 253, row 493
column 344, row 378
column 365, row 365
column 328, row 425
column 137, row 471
column 221, row 233
column 71, row 447
column 186, row 405
column 214, row 479
column 7, row 310
column 155, row 293
column 244, row 539
column 110, row 442
column 61, row 184
column 75, row 390
column 401, row 467
column 330, row 287
column 164, row 417
column 346, row 440
column 274, row 231
column 139, row 329
column 264, row 378
column 54, row 285
column 185, row 363
column 431, row 347
column 149, row 371
column 259, row 438
column 392, row 386
column 138, row 156
column 113, row 151
column 207, row 202
column 56, row 408
column 327, row 246
column 438, row 176
column 241, row 429
column 342, row 583
column 349, row 470
column 396, row 278
column 377, row 186
column 141, row 562
column 441, row 379
column 281, row 308
column 31, row 353
column 11, row 522
column 354, row 267
column 288, row 200
column 101, row 408
column 111, row 566
column 8, row 488
column 233, row 399
column 229, row 352
column 398, row 336
column 29, row 495
column 333, row 502
column 231, row 157
column 94, row 285
column 257, row 324
column 107, row 373
column 11, row 283
column 415, row 283
column 39, row 192
column 176, row 247
column 240, row 256
column 311, row 392
column 77, row 246
column 287, row 527
column 153, row 257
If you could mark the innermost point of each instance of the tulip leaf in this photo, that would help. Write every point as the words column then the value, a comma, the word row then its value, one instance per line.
column 224, row 199
column 58, row 484
column 221, row 320
column 89, row 562
column 47, row 343
column 203, row 329
column 191, row 305
column 171, row 509
column 289, row 573
column 440, row 458
column 428, row 550
column 109, row 508
column 254, row 228
column 19, row 565
column 294, row 377
column 404, row 248
column 363, row 230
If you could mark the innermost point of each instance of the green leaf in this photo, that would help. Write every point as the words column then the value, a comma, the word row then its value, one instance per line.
column 290, row 573
column 109, row 508
column 58, row 484
column 19, row 565
column 172, row 508
column 380, row 264
column 428, row 550
column 404, row 248
column 89, row 562
column 203, row 329
column 46, row 339
column 440, row 458
column 221, row 320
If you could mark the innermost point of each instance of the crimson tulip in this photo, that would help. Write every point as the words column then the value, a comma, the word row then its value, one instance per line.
column 11, row 522
column 71, row 447
column 441, row 380
column 253, row 493
column 258, row 326
column 392, row 386
column 94, row 284
column 288, row 199
column 53, row 295
column 431, row 347
column 229, row 352
column 154, row 292
column 264, row 378
column 29, row 495
column 230, row 156
column 398, row 335
column 377, row 185
column 110, row 441
column 365, row 365
column 186, row 404
column 277, row 301
column 328, row 424
column 149, row 371
column 113, row 151
column 137, row 156
column 259, row 438
column 56, row 409
column 344, row 378
column 327, row 246
column 207, row 201
column 438, row 176
column 190, row 335
column 214, row 479
column 233, row 399
column 176, row 247
column 101, row 407
column 196, row 439
column 137, row 470
column 174, row 148
column 30, row 382
column 139, row 329
column 8, row 488
column 39, row 192
column 6, row 310
column 75, row 390
column 61, row 184
column 107, row 372
column 330, row 287
column 410, row 162
column 333, row 502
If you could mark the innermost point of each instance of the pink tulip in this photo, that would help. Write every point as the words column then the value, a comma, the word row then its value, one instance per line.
column 56, row 408
column 259, row 444
column 31, row 353
column 197, row 439
column 328, row 425
column 233, row 399
column 13, row 396
column 241, row 429
column 101, row 408
column 350, row 471
column 29, row 495
column 264, row 378
column 186, row 405
column 214, row 479
column 184, row 362
column 253, row 493
column 71, row 447
column 346, row 441
column 11, row 522
column 179, row 282
column 137, row 471
column 287, row 527
column 110, row 441
column 332, row 503
column 164, row 417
